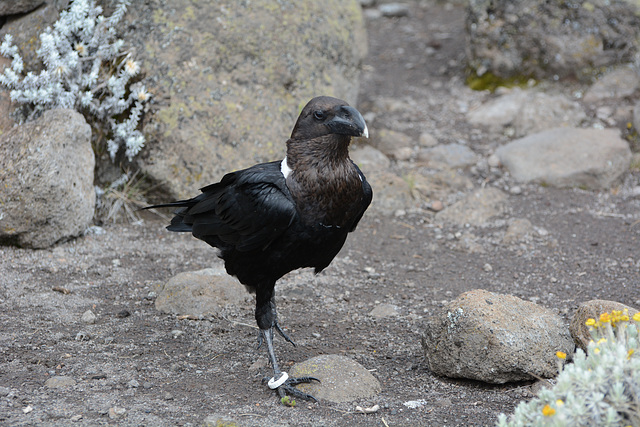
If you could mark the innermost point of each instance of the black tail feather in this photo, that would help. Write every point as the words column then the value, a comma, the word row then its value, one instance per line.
column 178, row 204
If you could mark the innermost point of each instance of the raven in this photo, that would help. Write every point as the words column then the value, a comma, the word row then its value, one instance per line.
column 276, row 217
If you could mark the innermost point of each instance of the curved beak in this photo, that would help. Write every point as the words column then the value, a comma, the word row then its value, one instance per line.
column 348, row 121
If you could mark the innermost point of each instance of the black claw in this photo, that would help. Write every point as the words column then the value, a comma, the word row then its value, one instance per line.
column 295, row 393
column 282, row 333
column 288, row 387
column 301, row 380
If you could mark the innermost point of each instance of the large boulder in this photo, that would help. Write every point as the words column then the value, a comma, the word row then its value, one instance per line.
column 229, row 79
column 46, row 170
column 568, row 157
column 527, row 111
column 495, row 338
column 550, row 39
column 198, row 293
column 12, row 7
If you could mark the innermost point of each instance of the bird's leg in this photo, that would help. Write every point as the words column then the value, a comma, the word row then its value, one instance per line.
column 266, row 317
column 281, row 382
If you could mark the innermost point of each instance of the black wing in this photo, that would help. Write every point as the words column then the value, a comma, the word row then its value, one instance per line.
column 246, row 210
column 366, row 200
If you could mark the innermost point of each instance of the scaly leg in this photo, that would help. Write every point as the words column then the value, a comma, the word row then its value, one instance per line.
column 267, row 319
column 280, row 380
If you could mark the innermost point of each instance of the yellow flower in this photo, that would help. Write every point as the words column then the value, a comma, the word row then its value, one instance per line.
column 559, row 402
column 636, row 317
column 604, row 318
column 81, row 49
column 548, row 411
column 601, row 340
column 561, row 355
column 596, row 350
column 590, row 322
column 629, row 353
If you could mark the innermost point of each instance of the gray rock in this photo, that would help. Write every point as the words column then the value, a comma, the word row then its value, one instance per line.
column 617, row 84
column 476, row 208
column 592, row 309
column 390, row 142
column 6, row 106
column 89, row 317
column 394, row 10
column 229, row 82
column 438, row 184
column 116, row 412
column 550, row 39
column 200, row 292
column 518, row 230
column 46, row 168
column 384, row 310
column 59, row 382
column 12, row 7
column 527, row 111
column 568, row 157
column 390, row 192
column 427, row 140
column 219, row 420
column 448, row 156
column 497, row 113
column 341, row 379
column 495, row 338
column 370, row 158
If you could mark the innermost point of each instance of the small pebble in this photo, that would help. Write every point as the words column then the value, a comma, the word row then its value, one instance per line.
column 82, row 336
column 122, row 314
column 76, row 418
column 59, row 382
column 493, row 161
column 89, row 317
column 394, row 10
column 116, row 412
column 176, row 333
column 427, row 140
column 436, row 206
column 133, row 384
column 515, row 190
column 487, row 267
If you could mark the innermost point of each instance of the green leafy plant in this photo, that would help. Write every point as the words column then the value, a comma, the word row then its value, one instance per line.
column 287, row 401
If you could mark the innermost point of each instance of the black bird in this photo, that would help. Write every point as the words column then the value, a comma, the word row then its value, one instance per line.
column 275, row 217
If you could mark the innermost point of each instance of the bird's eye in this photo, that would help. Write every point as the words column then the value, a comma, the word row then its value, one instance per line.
column 318, row 115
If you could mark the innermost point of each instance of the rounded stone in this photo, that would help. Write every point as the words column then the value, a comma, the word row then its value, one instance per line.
column 341, row 379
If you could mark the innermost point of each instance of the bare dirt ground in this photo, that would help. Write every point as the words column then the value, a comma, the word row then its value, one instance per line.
column 162, row 370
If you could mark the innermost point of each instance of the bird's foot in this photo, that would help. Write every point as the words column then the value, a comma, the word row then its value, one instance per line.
column 285, row 386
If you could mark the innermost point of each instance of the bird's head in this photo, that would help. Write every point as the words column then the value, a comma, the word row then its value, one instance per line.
column 325, row 115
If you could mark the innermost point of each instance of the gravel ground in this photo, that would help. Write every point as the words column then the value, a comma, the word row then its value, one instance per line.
column 136, row 366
